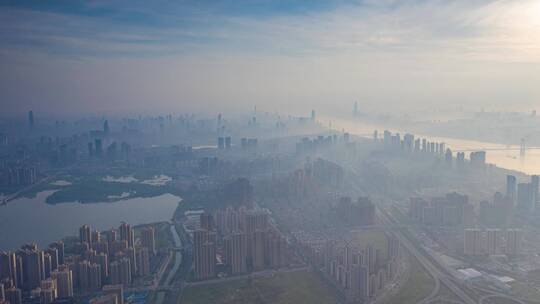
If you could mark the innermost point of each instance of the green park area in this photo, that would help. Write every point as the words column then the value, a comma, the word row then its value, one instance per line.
column 280, row 288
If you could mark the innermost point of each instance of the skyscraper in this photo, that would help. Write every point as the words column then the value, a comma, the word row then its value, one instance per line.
column 98, row 145
column 120, row 272
column 143, row 261
column 204, row 254
column 31, row 119
column 2, row 293
column 59, row 246
column 8, row 266
column 148, row 239
column 117, row 290
column 237, row 252
column 525, row 197
column 85, row 234
column 535, row 184
column 514, row 238
column 493, row 241
column 32, row 265
column 14, row 295
column 64, row 281
column 126, row 234
column 258, row 241
column 511, row 188
column 473, row 244
column 106, row 127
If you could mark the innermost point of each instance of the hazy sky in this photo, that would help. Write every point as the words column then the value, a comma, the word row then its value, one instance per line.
column 158, row 56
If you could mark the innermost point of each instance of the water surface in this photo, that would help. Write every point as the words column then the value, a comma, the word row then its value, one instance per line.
column 32, row 220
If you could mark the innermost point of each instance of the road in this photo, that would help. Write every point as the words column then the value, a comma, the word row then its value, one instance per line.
column 13, row 196
column 177, row 258
column 438, row 272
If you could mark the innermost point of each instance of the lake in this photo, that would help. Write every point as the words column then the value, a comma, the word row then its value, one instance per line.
column 32, row 220
column 501, row 155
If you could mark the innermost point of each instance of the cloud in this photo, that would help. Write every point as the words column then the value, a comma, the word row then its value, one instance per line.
column 229, row 55
column 498, row 30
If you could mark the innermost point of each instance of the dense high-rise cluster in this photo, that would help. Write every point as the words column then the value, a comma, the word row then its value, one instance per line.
column 244, row 240
column 53, row 276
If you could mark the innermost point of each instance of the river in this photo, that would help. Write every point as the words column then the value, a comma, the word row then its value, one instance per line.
column 501, row 155
column 32, row 220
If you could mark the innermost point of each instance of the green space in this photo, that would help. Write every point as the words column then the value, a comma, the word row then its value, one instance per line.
column 92, row 191
column 418, row 285
column 281, row 288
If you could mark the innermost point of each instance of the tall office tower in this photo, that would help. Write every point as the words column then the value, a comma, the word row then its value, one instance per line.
column 535, row 184
column 32, row 265
column 514, row 238
column 493, row 241
column 473, row 242
column 53, row 253
column 31, row 119
column 258, row 242
column 94, row 277
column 148, row 239
column 228, row 142
column 59, row 246
column 102, row 260
column 8, row 267
column 117, row 290
column 204, row 254
column 98, row 145
column 14, row 295
column 207, row 221
column 120, row 272
column 105, row 299
column 126, row 234
column 525, row 197
column 511, row 187
column 143, row 261
column 106, row 127
column 64, row 281
column 221, row 143
column 313, row 115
